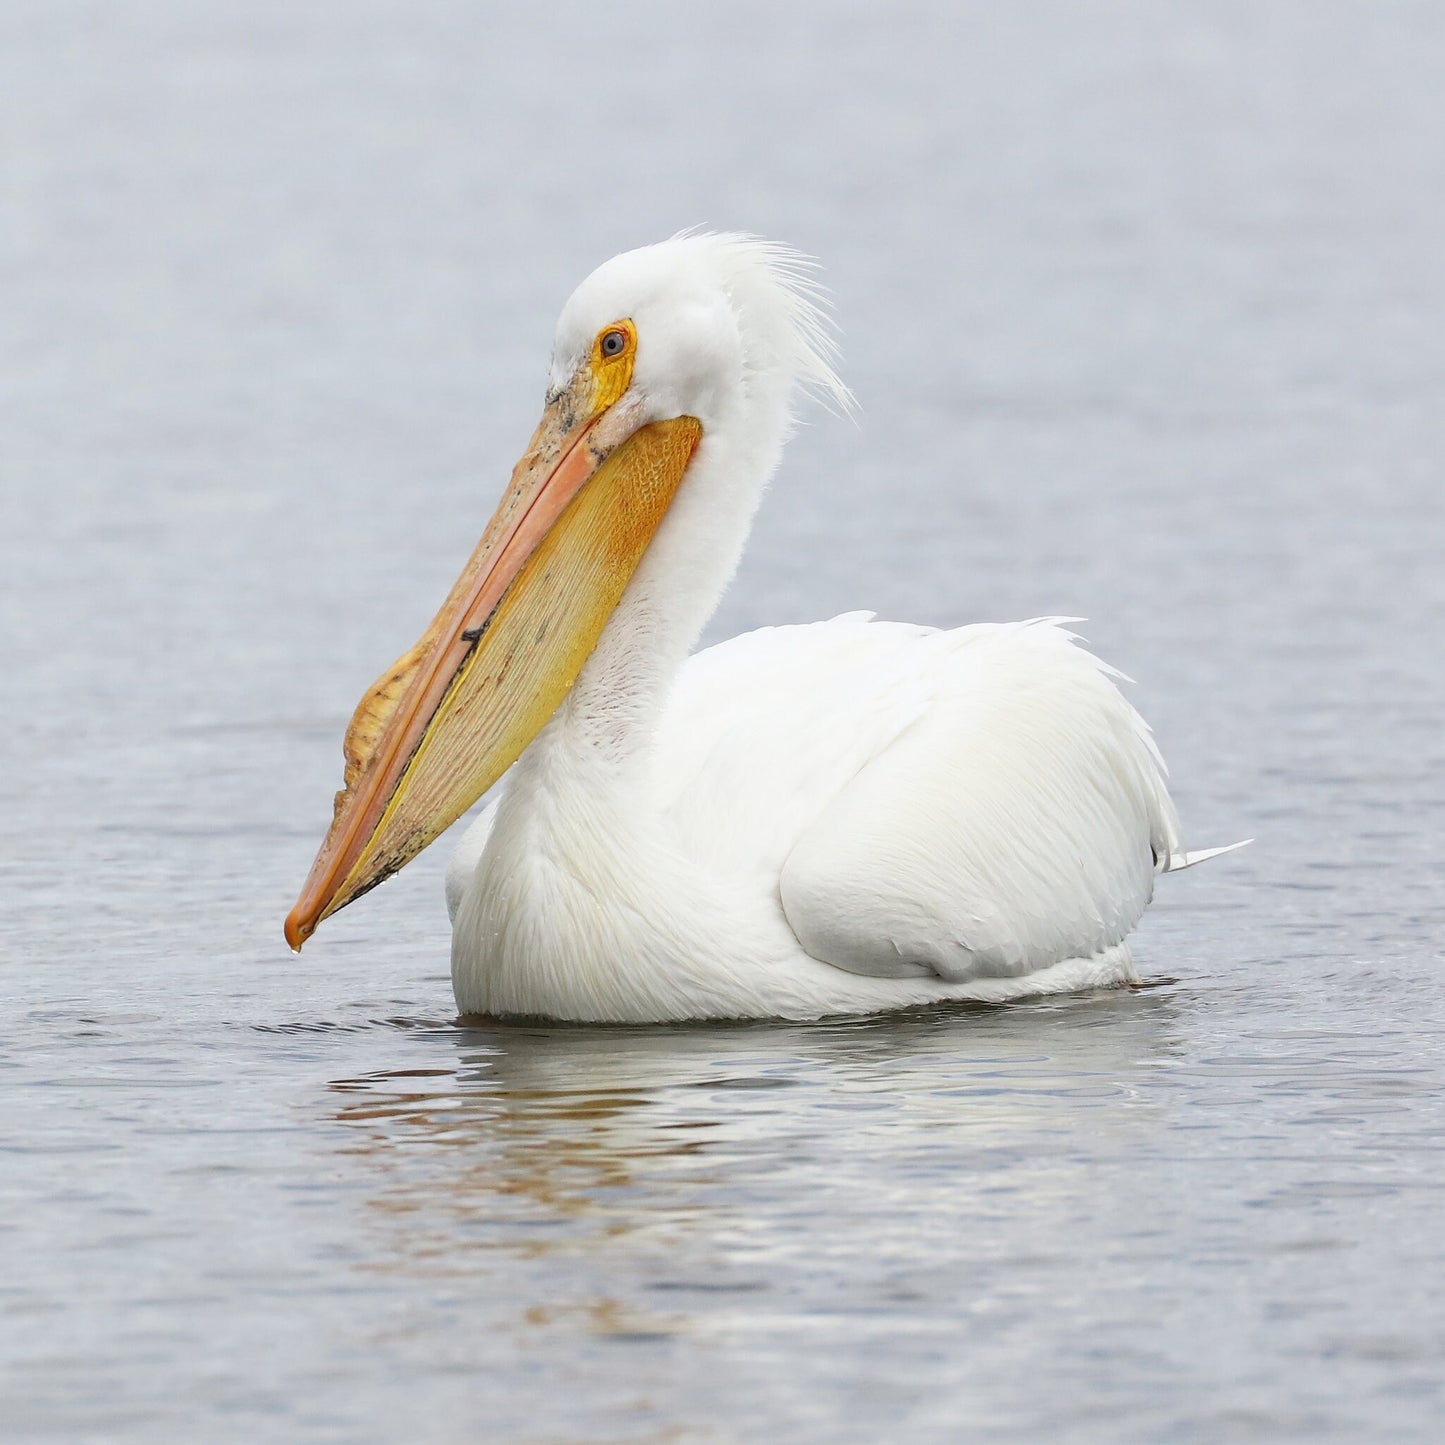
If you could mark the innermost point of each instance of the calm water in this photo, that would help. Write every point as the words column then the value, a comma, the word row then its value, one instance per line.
column 1146, row 312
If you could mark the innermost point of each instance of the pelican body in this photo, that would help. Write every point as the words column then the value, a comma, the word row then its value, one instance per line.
column 838, row 818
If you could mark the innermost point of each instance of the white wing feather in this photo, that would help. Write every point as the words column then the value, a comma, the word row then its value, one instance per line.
column 965, row 804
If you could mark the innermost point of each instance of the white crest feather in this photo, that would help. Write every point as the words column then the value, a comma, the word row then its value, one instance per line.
column 768, row 279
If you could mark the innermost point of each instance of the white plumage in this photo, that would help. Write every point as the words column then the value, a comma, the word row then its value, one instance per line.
column 837, row 818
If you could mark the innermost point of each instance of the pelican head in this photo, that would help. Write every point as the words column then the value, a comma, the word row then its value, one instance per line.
column 673, row 374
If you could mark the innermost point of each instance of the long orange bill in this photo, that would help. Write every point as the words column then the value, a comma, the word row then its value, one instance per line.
column 450, row 716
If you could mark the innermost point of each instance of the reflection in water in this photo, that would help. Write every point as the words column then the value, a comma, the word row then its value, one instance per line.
column 693, row 1162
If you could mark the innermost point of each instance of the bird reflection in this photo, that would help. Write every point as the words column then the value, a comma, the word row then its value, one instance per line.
column 696, row 1149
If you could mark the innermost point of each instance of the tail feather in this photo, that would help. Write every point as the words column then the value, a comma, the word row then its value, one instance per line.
column 1201, row 855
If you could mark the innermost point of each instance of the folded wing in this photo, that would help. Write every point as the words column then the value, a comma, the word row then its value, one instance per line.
column 1017, row 822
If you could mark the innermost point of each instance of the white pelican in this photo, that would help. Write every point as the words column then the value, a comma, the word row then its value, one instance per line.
column 827, row 819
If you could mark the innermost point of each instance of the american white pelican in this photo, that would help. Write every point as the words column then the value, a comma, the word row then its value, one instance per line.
column 829, row 819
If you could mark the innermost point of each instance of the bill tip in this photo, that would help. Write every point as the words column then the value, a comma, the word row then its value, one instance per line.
column 297, row 931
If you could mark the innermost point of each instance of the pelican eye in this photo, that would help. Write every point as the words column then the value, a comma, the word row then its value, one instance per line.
column 613, row 353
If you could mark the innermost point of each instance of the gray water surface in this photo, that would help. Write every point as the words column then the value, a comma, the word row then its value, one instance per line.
column 1145, row 310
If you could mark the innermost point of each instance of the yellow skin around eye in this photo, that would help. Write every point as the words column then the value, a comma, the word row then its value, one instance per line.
column 612, row 374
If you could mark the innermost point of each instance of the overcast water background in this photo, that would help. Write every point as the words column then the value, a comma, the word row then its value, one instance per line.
column 1145, row 310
